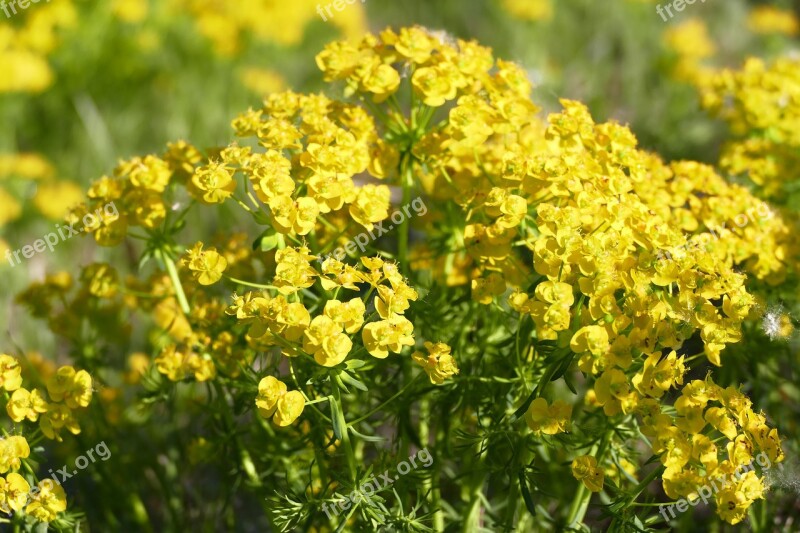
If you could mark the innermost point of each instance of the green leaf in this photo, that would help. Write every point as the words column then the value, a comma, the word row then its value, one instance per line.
column 347, row 378
column 369, row 438
column 261, row 218
column 354, row 364
column 146, row 256
column 570, row 385
column 336, row 417
column 526, row 493
column 566, row 361
column 527, row 403
column 268, row 240
column 336, row 376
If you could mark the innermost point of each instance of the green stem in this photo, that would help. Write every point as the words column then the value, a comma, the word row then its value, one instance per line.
column 580, row 503
column 250, row 284
column 473, row 519
column 428, row 482
column 176, row 281
column 407, row 179
column 348, row 447
column 645, row 482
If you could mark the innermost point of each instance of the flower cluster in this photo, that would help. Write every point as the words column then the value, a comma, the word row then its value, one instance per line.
column 711, row 420
column 761, row 103
column 554, row 247
column 327, row 337
column 68, row 390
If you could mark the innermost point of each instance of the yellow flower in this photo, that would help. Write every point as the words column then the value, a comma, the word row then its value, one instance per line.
column 388, row 335
column 659, row 375
column 13, row 492
column 717, row 417
column 10, row 373
column 25, row 404
column 289, row 408
column 270, row 391
column 101, row 279
column 332, row 190
column 206, row 266
column 10, row 208
column 324, row 340
column 613, row 392
column 298, row 216
column 732, row 504
column 150, row 172
column 370, row 205
column 485, row 289
column 394, row 300
column 349, row 314
column 294, row 271
column 48, row 501
column 593, row 339
column 60, row 382
column 79, row 393
column 534, row 10
column 58, row 416
column 171, row 362
column 379, row 79
column 548, row 419
column 30, row 166
column 770, row 19
column 12, row 449
column 273, row 399
column 691, row 419
column 679, row 482
column 439, row 364
column 25, row 71
column 415, row 44
column 584, row 469
column 434, row 85
column 214, row 182
column 129, row 11
column 54, row 199
column 338, row 60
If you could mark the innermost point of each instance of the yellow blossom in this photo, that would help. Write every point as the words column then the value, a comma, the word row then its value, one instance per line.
column 584, row 469
column 439, row 364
